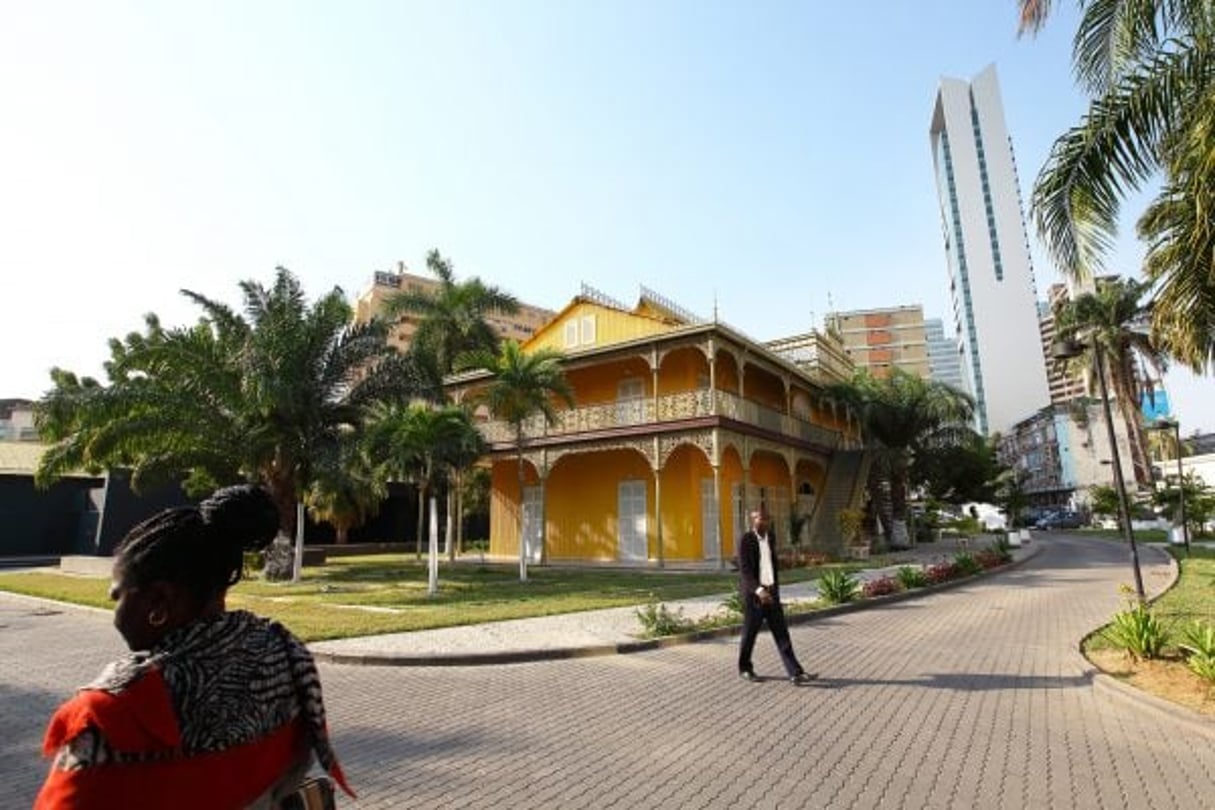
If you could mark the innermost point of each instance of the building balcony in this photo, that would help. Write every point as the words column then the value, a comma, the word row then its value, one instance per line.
column 670, row 408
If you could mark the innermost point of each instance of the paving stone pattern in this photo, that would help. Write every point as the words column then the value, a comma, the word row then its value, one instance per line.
column 969, row 698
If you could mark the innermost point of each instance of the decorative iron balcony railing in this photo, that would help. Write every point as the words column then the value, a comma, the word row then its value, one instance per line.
column 668, row 408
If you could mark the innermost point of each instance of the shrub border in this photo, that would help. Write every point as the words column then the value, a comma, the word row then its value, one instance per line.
column 644, row 645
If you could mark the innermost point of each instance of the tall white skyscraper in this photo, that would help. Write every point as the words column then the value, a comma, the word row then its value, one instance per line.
column 991, row 277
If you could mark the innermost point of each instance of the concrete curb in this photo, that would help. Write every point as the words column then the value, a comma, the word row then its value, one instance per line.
column 643, row 645
column 1114, row 688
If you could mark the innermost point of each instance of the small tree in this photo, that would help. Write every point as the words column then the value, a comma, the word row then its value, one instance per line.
column 1103, row 500
column 523, row 385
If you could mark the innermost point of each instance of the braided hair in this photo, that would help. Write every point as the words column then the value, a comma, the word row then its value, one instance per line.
column 200, row 548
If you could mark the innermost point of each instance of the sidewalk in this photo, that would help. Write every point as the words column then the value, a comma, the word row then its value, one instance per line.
column 590, row 633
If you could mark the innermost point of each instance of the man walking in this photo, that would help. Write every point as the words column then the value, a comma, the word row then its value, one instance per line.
column 760, row 591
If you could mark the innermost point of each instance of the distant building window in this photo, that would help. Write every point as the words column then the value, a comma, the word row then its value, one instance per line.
column 588, row 329
column 571, row 334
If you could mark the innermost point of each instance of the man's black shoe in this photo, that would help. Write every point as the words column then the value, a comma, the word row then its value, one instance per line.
column 803, row 678
column 749, row 676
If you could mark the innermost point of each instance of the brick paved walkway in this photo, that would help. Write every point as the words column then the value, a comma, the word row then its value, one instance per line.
column 969, row 698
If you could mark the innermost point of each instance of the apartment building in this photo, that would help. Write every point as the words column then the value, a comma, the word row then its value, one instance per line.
column 518, row 326
column 881, row 340
column 1065, row 383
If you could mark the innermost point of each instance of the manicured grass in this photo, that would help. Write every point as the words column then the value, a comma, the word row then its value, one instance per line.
column 354, row 596
column 1193, row 597
column 1141, row 535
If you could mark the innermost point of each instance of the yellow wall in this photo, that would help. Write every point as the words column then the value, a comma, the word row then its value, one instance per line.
column 682, row 522
column 726, row 373
column 598, row 384
column 765, row 389
column 581, row 494
column 731, row 474
column 768, row 470
column 682, row 370
column 504, row 505
column 582, row 502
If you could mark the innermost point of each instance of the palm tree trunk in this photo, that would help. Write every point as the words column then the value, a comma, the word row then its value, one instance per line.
column 1128, row 409
column 282, row 492
column 459, row 513
column 899, row 537
column 449, row 524
column 879, row 499
column 343, row 535
column 421, row 517
column 522, row 545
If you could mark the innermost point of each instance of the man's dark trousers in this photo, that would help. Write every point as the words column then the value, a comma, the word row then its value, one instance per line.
column 754, row 614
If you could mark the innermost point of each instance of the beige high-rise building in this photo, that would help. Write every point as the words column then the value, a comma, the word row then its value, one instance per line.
column 1065, row 385
column 882, row 340
column 518, row 326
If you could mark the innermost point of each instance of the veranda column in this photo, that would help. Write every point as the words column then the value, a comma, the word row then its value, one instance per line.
column 721, row 542
column 543, row 516
column 658, row 505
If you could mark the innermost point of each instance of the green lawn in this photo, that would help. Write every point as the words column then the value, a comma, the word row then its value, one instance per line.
column 1193, row 597
column 354, row 596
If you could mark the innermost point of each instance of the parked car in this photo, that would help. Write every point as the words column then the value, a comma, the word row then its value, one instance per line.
column 1063, row 519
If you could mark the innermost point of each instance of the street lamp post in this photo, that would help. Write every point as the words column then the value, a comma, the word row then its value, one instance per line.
column 1071, row 348
column 1175, row 425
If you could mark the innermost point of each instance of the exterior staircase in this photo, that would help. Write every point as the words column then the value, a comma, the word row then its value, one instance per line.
column 842, row 490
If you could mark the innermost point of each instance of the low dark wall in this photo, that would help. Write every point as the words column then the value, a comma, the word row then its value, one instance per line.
column 56, row 520
column 124, row 509
column 63, row 519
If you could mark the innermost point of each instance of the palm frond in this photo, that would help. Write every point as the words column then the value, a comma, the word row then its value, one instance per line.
column 1115, row 148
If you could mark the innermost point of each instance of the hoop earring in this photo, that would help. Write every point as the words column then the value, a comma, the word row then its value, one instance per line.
column 157, row 617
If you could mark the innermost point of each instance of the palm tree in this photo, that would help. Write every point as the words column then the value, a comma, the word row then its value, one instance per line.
column 422, row 442
column 899, row 415
column 451, row 318
column 523, row 385
column 460, row 457
column 1149, row 68
column 347, row 492
column 1113, row 321
column 253, row 396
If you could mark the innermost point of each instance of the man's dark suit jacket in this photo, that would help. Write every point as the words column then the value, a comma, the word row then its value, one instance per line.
column 748, row 563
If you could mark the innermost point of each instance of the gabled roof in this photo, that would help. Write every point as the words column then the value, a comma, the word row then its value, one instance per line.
column 645, row 319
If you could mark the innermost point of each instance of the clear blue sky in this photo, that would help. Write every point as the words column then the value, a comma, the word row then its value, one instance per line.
column 769, row 157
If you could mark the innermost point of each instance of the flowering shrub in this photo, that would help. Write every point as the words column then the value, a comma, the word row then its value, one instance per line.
column 989, row 559
column 882, row 586
column 941, row 572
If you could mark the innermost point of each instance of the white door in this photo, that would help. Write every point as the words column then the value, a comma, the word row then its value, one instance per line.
column 630, row 401
column 533, row 517
column 741, row 522
column 632, row 540
column 710, row 524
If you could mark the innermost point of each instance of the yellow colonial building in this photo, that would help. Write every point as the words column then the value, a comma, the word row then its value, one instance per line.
column 679, row 428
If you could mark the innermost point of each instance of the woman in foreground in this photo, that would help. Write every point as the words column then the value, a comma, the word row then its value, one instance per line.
column 212, row 708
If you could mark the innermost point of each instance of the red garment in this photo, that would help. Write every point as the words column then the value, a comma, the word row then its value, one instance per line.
column 141, row 721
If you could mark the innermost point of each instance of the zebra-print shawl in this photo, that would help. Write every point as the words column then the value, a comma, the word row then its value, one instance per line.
column 233, row 678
